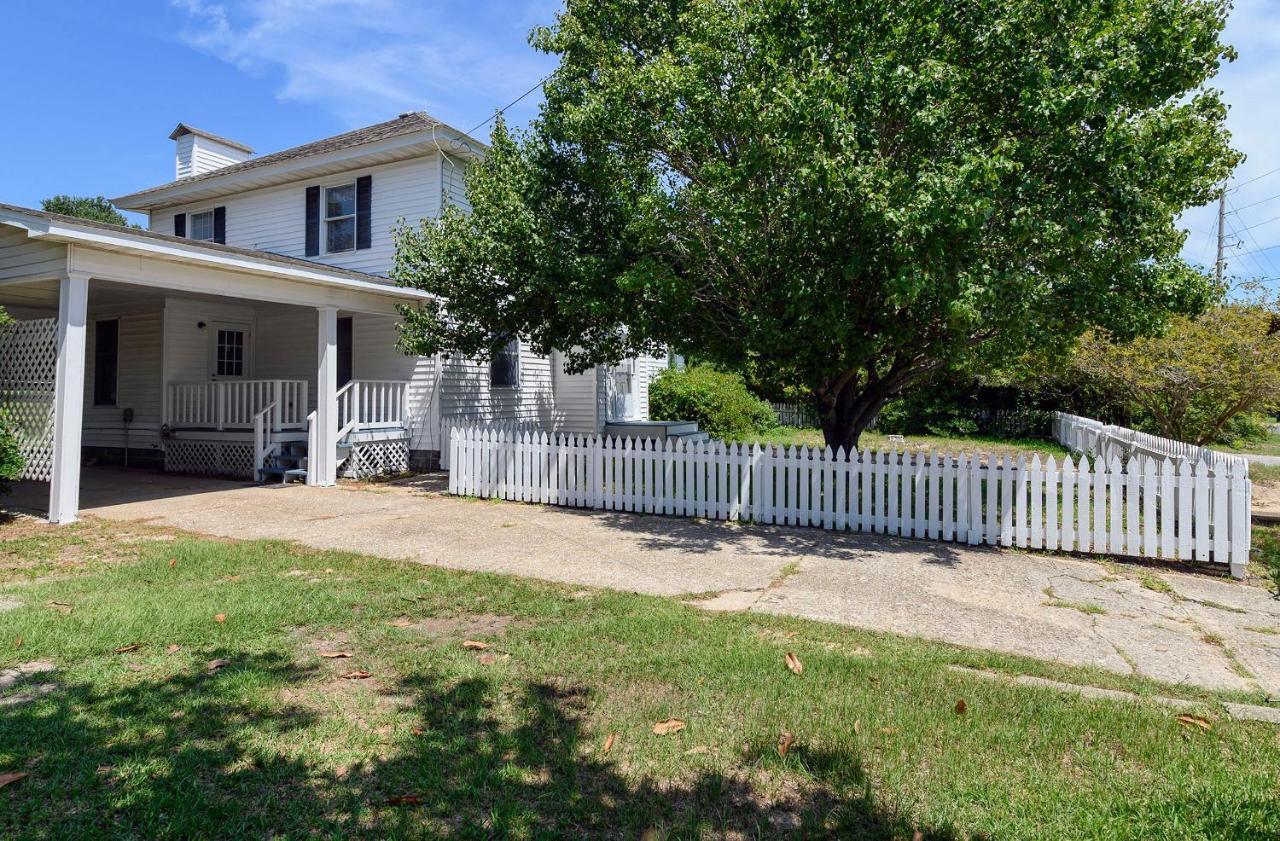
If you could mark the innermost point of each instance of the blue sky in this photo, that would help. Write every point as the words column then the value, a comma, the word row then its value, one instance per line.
column 95, row 88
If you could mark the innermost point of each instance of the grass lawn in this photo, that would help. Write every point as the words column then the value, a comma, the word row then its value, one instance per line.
column 1269, row 446
column 194, row 697
column 787, row 435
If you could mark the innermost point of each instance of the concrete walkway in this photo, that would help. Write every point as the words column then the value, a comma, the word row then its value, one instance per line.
column 1207, row 631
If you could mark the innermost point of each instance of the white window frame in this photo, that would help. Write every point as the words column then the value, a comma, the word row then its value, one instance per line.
column 325, row 219
column 191, row 226
column 519, row 367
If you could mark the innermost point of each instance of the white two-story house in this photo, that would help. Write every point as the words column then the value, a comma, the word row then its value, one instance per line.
column 250, row 329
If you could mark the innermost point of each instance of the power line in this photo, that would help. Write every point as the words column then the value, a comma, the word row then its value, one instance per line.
column 1260, row 224
column 503, row 109
column 1258, row 245
column 1253, row 179
column 1255, row 204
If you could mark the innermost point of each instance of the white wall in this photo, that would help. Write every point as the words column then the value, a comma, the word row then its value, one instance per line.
column 274, row 218
column 22, row 257
column 465, row 393
column 137, row 377
column 577, row 409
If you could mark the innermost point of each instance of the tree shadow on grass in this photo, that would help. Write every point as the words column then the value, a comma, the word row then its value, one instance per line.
column 201, row 755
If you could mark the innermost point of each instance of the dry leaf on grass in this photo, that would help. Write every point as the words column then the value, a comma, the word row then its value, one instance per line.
column 666, row 728
column 961, row 707
column 357, row 674
column 334, row 655
column 125, row 649
column 401, row 622
column 11, row 777
column 215, row 665
column 173, row 649
column 173, row 562
column 475, row 645
column 17, row 642
column 793, row 663
column 1194, row 721
column 857, row 726
column 61, row 607
column 785, row 741
column 608, row 743
column 404, row 800
column 697, row 750
column 230, row 578
column 220, row 617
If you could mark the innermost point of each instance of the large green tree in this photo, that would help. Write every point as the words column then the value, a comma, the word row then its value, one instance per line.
column 842, row 195
column 96, row 208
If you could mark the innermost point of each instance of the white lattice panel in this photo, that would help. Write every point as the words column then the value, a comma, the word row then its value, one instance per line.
column 28, row 369
column 209, row 458
column 377, row 458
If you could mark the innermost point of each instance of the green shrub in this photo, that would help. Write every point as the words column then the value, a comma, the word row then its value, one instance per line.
column 719, row 402
column 1245, row 429
column 11, row 460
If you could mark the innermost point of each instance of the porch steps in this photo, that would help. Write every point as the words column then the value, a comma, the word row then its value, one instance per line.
column 290, row 463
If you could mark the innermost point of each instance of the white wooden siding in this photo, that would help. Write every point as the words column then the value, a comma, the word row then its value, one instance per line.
column 465, row 393
column 137, row 379
column 274, row 218
column 575, row 396
column 21, row 257
column 453, row 177
column 376, row 357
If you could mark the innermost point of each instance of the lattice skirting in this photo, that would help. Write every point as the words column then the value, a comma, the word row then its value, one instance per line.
column 209, row 458
column 28, row 365
column 376, row 458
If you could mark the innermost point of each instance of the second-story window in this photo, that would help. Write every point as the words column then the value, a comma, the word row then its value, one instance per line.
column 202, row 226
column 340, row 218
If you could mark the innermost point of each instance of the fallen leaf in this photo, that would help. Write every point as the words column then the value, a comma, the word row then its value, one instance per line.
column 1194, row 721
column 793, row 663
column 961, row 707
column 857, row 726
column 334, row 655
column 11, row 777
column 608, row 743
column 401, row 622
column 17, row 642
column 230, row 578
column 61, row 607
column 405, row 800
column 487, row 659
column 173, row 649
column 173, row 562
column 917, row 836
column 358, row 674
column 214, row 665
column 418, row 731
column 475, row 645
column 785, row 741
column 125, row 649
column 220, row 617
column 666, row 728
column 697, row 749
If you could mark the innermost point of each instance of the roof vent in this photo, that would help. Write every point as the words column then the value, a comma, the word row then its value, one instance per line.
column 198, row 152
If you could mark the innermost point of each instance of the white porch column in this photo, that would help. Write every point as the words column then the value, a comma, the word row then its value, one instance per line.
column 68, row 401
column 323, row 460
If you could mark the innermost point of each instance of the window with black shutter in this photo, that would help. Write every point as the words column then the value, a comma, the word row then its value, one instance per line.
column 106, row 362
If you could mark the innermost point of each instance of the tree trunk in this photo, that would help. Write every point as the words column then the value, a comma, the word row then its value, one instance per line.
column 846, row 410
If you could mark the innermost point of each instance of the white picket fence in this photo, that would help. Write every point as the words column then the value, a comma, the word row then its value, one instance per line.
column 1155, row 508
column 1099, row 440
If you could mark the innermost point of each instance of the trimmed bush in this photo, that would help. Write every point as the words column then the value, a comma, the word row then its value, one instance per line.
column 719, row 402
column 11, row 461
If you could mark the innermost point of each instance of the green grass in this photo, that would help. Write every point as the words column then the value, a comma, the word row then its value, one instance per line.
column 792, row 436
column 1269, row 446
column 510, row 741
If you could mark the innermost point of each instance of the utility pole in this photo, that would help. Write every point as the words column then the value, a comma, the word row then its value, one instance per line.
column 1219, row 266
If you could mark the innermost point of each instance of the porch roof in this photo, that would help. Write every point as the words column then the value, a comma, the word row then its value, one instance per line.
column 55, row 227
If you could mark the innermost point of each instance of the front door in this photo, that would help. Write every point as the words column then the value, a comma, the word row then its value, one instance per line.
column 229, row 352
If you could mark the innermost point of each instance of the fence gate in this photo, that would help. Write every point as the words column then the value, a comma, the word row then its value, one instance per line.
column 28, row 369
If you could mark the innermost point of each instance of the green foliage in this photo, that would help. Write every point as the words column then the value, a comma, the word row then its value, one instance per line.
column 718, row 401
column 842, row 196
column 1193, row 380
column 1266, row 550
column 1245, row 429
column 11, row 459
column 96, row 208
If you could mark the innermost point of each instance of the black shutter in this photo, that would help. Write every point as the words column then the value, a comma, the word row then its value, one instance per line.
column 180, row 224
column 220, row 225
column 364, row 204
column 313, row 221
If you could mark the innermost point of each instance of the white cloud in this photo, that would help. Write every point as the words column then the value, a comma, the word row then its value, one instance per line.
column 367, row 60
column 1251, row 86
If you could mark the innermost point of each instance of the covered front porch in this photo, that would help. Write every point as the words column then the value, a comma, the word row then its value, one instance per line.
column 146, row 350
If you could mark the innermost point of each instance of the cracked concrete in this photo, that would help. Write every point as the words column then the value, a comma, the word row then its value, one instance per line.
column 1209, row 632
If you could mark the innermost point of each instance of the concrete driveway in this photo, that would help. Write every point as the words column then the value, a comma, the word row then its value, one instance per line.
column 1205, row 631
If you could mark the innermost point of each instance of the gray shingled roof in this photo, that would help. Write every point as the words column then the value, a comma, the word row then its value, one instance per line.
column 214, row 247
column 183, row 128
column 404, row 124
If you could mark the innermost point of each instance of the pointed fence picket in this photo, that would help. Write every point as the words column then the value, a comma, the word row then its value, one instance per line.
column 1149, row 506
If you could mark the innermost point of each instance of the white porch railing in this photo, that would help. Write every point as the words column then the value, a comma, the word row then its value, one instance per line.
column 372, row 404
column 233, row 404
